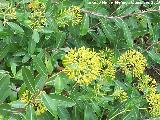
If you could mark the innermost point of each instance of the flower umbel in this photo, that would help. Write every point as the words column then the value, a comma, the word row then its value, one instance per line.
column 133, row 62
column 154, row 103
column 120, row 94
column 36, row 103
column 146, row 84
column 37, row 17
column 71, row 15
column 108, row 69
column 82, row 65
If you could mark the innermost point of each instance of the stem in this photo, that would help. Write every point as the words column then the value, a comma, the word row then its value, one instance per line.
column 115, row 17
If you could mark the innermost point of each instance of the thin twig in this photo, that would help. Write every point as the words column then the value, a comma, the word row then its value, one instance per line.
column 115, row 17
column 155, row 43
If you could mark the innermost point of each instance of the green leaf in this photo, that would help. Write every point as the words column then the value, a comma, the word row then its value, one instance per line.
column 63, row 113
column 39, row 66
column 35, row 36
column 31, row 46
column 107, row 28
column 13, row 68
column 62, row 101
column 4, row 86
column 3, row 50
column 132, row 114
column 89, row 114
column 147, row 20
column 15, row 27
column 50, row 104
column 127, row 34
column 30, row 115
column 85, row 25
column 28, row 79
column 154, row 56
column 40, row 81
column 60, row 82
column 48, row 63
column 1, row 26
column 60, row 39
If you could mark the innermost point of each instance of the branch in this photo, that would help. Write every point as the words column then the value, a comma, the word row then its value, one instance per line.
column 115, row 17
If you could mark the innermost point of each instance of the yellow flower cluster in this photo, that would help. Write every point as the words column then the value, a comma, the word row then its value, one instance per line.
column 35, row 5
column 37, row 17
column 154, row 103
column 148, row 85
column 8, row 12
column 36, row 103
column 120, row 94
column 133, row 62
column 82, row 65
column 108, row 68
column 71, row 15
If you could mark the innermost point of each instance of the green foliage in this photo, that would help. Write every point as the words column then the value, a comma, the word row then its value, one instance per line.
column 37, row 35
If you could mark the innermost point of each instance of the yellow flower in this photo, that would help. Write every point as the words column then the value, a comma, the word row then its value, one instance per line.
column 133, row 62
column 82, row 65
column 35, row 5
column 8, row 12
column 36, row 103
column 71, row 15
column 37, row 18
column 108, row 68
column 154, row 103
column 120, row 94
column 146, row 84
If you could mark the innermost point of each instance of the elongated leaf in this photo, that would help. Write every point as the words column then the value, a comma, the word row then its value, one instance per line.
column 35, row 36
column 28, row 79
column 154, row 56
column 89, row 114
column 127, row 34
column 60, row 39
column 15, row 27
column 62, row 101
column 1, row 26
column 85, row 25
column 107, row 29
column 63, row 113
column 31, row 46
column 48, row 63
column 4, row 50
column 40, row 81
column 147, row 20
column 50, row 104
column 39, row 66
column 60, row 82
column 30, row 115
column 4, row 86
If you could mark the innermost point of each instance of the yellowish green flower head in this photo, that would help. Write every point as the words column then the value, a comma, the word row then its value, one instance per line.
column 147, row 84
column 37, row 17
column 154, row 103
column 108, row 67
column 71, row 15
column 7, row 12
column 82, row 65
column 35, row 5
column 120, row 94
column 36, row 103
column 132, row 62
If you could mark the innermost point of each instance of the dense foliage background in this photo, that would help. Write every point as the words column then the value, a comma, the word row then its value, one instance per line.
column 38, row 79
